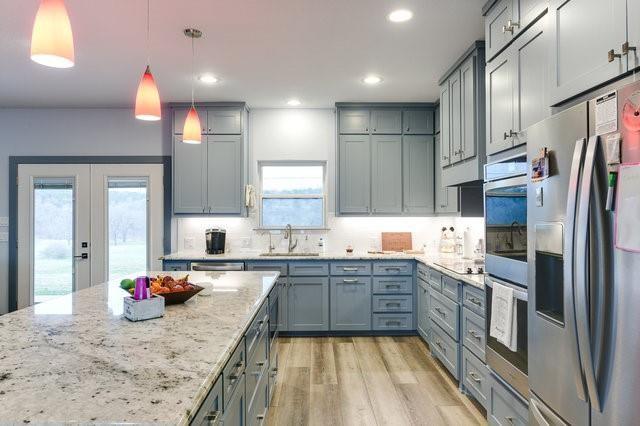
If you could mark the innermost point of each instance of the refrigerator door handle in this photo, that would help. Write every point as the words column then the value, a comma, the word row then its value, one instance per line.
column 569, row 256
column 582, row 273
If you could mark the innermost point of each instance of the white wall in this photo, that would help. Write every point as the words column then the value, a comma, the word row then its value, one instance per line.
column 70, row 131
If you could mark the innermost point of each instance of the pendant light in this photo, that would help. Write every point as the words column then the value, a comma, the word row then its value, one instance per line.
column 147, row 98
column 191, row 131
column 52, row 38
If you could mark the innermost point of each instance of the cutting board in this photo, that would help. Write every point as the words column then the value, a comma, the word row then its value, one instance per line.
column 396, row 241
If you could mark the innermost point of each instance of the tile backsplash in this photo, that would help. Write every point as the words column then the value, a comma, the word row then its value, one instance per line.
column 363, row 233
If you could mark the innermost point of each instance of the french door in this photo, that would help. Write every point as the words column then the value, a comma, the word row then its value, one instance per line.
column 82, row 224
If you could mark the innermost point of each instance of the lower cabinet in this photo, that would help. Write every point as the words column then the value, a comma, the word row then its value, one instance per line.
column 257, row 410
column 308, row 304
column 234, row 412
column 504, row 406
column 475, row 377
column 392, row 322
column 445, row 349
column 350, row 303
column 210, row 411
column 423, row 309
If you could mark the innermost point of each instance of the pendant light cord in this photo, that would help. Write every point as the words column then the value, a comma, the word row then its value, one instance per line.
column 193, row 72
column 148, row 32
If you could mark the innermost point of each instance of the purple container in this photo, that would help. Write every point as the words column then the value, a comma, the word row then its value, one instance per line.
column 140, row 292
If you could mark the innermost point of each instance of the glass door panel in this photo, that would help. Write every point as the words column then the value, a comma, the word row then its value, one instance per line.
column 53, row 236
column 127, row 226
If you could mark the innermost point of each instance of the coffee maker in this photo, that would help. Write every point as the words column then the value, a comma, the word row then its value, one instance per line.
column 215, row 238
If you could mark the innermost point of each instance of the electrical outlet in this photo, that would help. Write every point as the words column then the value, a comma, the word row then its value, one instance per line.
column 4, row 221
column 189, row 243
column 245, row 242
column 4, row 237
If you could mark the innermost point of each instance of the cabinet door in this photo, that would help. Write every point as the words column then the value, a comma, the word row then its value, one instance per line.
column 496, row 36
column 180, row 114
column 189, row 177
column 386, row 174
column 351, row 303
column 499, row 89
column 235, row 411
column 224, row 174
column 354, row 121
column 525, row 12
column 436, row 118
column 283, row 298
column 468, row 109
column 446, row 198
column 386, row 121
column 417, row 174
column 445, row 126
column 355, row 174
column 423, row 313
column 455, row 99
column 308, row 304
column 633, row 34
column 531, row 80
column 583, row 32
column 418, row 122
column 224, row 121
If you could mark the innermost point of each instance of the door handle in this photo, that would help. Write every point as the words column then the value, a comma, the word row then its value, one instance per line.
column 612, row 55
column 626, row 48
column 81, row 256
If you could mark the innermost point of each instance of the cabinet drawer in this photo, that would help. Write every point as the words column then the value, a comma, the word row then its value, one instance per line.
column 176, row 266
column 444, row 312
column 305, row 269
column 257, row 409
column 392, row 285
column 435, row 280
column 393, row 322
column 268, row 266
column 504, row 407
column 350, row 268
column 258, row 364
column 422, row 271
column 233, row 371
column 211, row 409
column 235, row 405
column 473, row 333
column 475, row 377
column 445, row 349
column 473, row 298
column 392, row 268
column 259, row 324
column 393, row 303
column 451, row 288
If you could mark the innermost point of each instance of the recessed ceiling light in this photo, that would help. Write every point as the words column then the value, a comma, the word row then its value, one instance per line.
column 400, row 15
column 208, row 78
column 372, row 79
column 293, row 102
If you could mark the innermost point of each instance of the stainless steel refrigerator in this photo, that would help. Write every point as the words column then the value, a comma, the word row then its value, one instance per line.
column 584, row 294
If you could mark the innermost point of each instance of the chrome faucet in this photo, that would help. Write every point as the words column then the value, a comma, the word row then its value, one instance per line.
column 288, row 236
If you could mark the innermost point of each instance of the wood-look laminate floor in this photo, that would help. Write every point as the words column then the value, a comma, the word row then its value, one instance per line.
column 365, row 381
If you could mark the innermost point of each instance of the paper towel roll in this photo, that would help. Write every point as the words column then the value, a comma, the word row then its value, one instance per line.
column 467, row 244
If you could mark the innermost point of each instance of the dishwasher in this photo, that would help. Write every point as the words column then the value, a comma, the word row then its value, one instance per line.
column 217, row 266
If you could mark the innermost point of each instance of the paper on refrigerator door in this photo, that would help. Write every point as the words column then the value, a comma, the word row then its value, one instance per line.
column 627, row 223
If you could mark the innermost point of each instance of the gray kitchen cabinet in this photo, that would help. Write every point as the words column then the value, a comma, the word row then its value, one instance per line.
column 211, row 408
column 423, row 310
column 354, row 121
column 386, row 121
column 504, row 406
column 418, row 122
column 466, row 148
column 354, row 174
column 350, row 303
column 224, row 174
column 445, row 126
column 500, row 108
column 235, row 405
column 189, row 177
column 224, row 121
column 446, row 198
column 308, row 300
column 386, row 174
column 584, row 35
column 418, row 174
column 436, row 120
column 455, row 116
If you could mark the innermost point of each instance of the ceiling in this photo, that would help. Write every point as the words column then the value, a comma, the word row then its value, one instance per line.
column 263, row 51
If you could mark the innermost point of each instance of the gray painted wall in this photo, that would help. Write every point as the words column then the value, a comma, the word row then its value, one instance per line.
column 71, row 131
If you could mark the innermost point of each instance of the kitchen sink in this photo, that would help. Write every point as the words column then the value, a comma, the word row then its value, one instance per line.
column 281, row 254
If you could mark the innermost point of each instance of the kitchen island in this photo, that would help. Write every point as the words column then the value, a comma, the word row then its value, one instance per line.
column 76, row 359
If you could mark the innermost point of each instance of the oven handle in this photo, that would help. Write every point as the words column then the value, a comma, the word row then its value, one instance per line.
column 518, row 293
column 505, row 183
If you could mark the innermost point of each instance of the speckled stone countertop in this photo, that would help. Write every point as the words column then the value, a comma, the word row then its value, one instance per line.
column 438, row 261
column 75, row 359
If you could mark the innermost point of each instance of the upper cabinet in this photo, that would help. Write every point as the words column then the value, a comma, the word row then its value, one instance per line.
column 385, row 159
column 587, row 44
column 506, row 19
column 462, row 119
column 209, row 178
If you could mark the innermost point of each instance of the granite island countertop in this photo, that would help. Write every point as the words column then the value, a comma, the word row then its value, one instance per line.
column 432, row 260
column 75, row 359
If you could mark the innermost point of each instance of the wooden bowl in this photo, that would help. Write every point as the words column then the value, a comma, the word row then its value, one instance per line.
column 176, row 297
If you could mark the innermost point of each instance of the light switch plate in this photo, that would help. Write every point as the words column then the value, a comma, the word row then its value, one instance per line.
column 4, row 221
column 4, row 237
column 539, row 197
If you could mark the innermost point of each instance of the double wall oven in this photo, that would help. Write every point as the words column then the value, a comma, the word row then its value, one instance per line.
column 505, row 206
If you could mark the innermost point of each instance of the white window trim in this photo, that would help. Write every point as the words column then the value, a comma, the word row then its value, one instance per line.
column 294, row 163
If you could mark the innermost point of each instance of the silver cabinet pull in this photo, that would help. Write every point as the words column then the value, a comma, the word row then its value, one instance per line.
column 392, row 285
column 612, row 55
column 441, row 346
column 212, row 418
column 475, row 377
column 392, row 268
column 235, row 374
column 441, row 312
column 350, row 281
column 509, row 419
column 390, row 304
column 513, row 25
column 474, row 334
column 393, row 323
column 626, row 48
column 475, row 301
column 349, row 269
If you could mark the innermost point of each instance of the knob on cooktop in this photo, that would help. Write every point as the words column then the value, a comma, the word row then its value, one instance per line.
column 469, row 271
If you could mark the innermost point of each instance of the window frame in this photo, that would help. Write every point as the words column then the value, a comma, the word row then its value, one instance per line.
column 293, row 163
